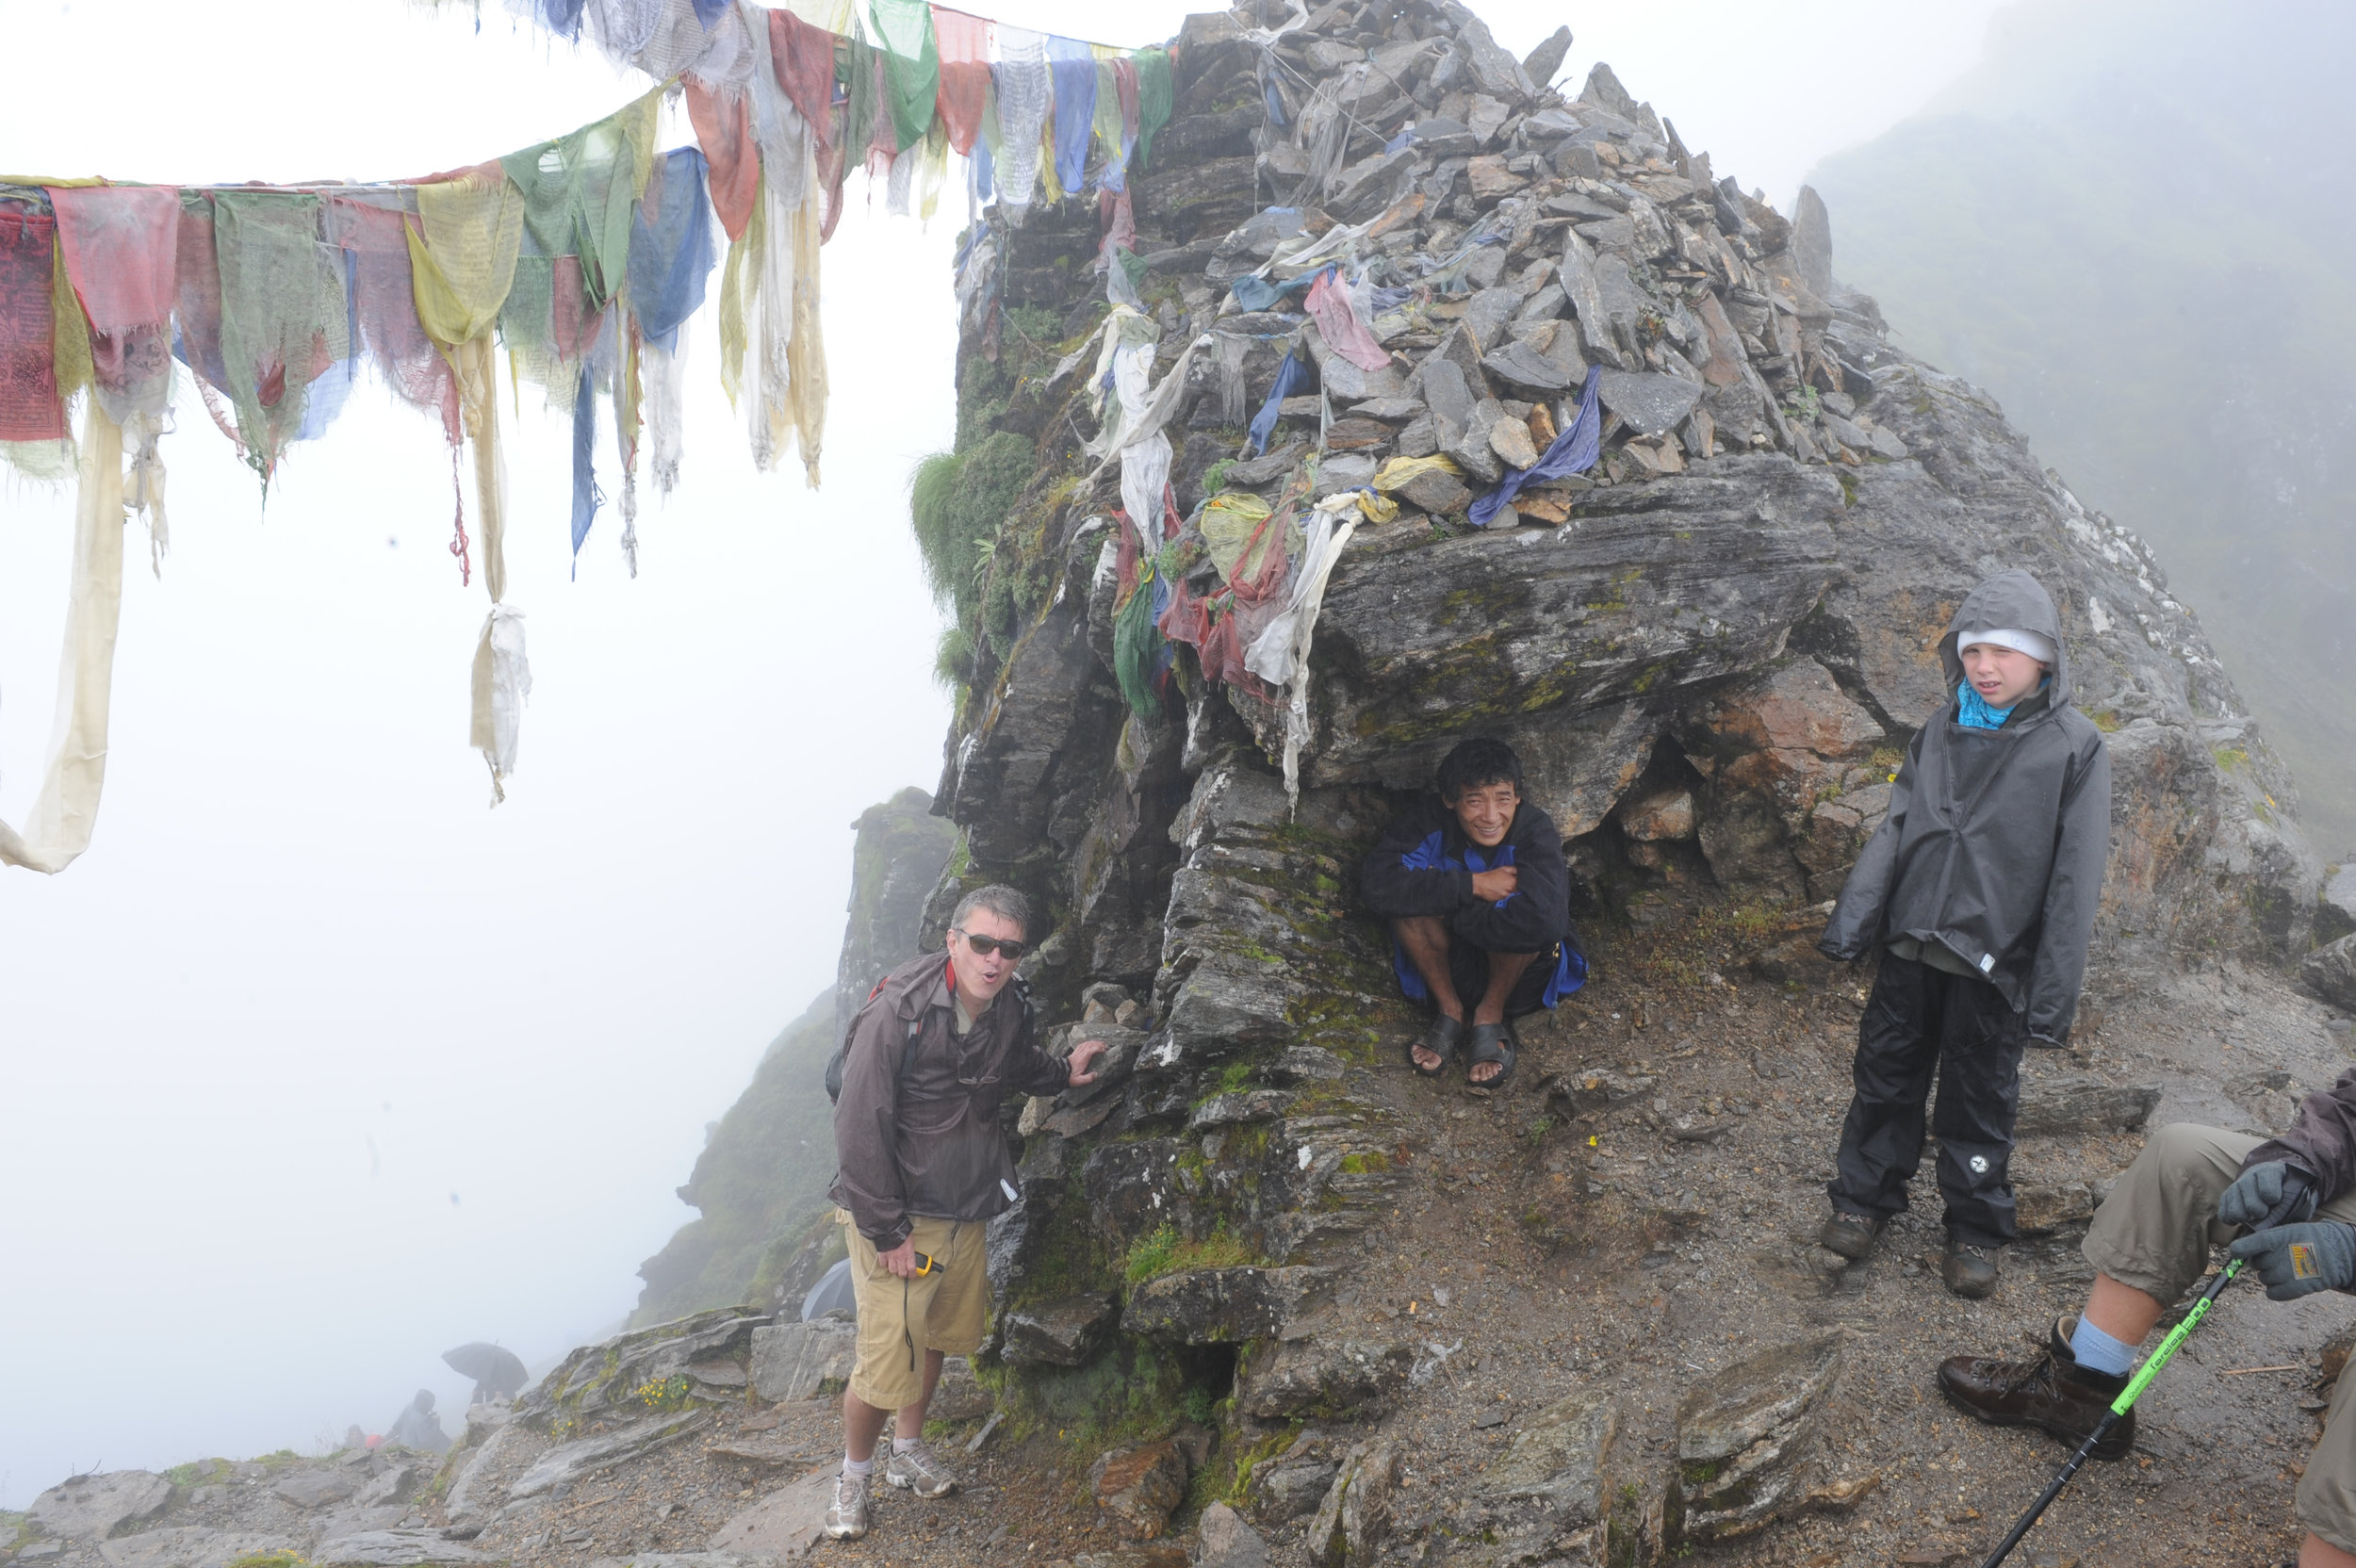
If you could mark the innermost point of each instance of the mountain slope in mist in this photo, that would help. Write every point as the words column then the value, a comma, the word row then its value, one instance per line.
column 761, row 1182
column 2131, row 224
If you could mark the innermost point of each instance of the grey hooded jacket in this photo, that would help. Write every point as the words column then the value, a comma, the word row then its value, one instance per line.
column 1996, row 839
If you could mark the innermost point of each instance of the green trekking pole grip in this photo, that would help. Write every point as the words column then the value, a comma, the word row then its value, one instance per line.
column 2119, row 1407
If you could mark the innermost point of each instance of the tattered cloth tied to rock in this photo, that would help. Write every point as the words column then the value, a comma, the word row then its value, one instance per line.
column 1574, row 451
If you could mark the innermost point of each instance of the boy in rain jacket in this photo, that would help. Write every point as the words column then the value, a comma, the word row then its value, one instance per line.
column 1979, row 890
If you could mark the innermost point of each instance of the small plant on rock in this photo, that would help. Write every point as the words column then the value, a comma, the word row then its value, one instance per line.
column 663, row 1393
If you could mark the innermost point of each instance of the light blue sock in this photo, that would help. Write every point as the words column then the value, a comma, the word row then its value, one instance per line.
column 2099, row 1352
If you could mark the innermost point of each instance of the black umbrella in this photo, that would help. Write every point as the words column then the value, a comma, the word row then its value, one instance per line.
column 497, row 1374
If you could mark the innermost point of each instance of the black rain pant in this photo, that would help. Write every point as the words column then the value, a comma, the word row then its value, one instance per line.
column 1922, row 1019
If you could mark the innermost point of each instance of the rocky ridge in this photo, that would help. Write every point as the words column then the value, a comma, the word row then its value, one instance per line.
column 1268, row 1297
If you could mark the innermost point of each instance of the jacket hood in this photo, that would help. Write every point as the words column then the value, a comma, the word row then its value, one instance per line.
column 907, row 990
column 2008, row 600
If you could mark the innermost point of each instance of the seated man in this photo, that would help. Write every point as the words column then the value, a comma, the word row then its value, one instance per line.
column 1473, row 883
column 2190, row 1188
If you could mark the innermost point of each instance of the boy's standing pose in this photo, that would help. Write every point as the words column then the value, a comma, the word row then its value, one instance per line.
column 1980, row 889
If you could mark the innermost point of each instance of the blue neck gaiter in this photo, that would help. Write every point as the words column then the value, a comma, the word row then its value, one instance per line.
column 1972, row 712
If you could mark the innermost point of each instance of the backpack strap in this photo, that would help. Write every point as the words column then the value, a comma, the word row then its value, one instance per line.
column 907, row 1053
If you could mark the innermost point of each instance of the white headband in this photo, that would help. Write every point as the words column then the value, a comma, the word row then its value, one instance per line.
column 2035, row 643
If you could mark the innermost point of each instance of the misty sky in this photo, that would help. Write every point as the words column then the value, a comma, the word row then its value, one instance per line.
column 314, row 1066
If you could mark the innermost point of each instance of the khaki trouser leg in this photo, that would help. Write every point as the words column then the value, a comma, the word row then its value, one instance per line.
column 2154, row 1233
column 2327, row 1493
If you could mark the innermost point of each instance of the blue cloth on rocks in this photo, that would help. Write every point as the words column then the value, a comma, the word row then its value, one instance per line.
column 1288, row 375
column 1253, row 292
column 1574, row 451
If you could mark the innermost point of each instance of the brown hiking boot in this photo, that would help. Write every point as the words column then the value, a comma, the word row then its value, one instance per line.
column 2052, row 1393
column 1852, row 1235
column 1969, row 1271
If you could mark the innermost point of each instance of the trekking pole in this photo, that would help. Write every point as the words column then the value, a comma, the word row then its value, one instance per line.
column 2121, row 1406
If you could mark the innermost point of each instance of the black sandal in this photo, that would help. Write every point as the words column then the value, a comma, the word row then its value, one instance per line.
column 1441, row 1040
column 1491, row 1042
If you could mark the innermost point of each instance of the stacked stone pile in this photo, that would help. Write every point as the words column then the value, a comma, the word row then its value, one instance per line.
column 1714, row 642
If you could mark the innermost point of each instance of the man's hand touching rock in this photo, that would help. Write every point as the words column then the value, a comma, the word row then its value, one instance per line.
column 1082, row 1055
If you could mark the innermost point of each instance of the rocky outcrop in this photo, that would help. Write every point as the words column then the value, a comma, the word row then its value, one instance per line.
column 794, row 1360
column 1711, row 647
column 896, row 857
column 96, row 1508
column 1552, row 1481
column 1747, row 1441
column 2331, row 970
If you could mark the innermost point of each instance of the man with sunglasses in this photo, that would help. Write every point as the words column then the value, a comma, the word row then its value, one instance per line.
column 922, row 1167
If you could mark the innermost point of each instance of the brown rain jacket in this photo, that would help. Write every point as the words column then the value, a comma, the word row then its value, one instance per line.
column 929, row 1143
column 2321, row 1139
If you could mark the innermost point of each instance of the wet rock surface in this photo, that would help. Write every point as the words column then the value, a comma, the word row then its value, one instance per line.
column 792, row 1361
column 1062, row 1332
column 1746, row 1439
column 1140, row 1487
column 93, row 1507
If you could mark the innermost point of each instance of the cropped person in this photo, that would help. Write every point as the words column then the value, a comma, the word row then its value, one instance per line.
column 1472, row 881
column 1978, row 890
column 923, row 1168
column 2189, row 1189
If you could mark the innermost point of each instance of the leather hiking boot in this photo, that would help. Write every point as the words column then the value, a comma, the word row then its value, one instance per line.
column 1852, row 1235
column 2052, row 1394
column 1969, row 1271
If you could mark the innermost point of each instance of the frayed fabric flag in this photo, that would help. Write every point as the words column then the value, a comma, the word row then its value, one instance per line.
column 1073, row 66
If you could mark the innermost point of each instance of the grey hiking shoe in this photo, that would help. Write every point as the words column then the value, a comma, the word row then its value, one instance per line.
column 846, row 1516
column 1969, row 1271
column 1852, row 1235
column 921, row 1471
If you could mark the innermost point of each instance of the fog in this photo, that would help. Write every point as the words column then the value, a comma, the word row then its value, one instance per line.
column 315, row 1066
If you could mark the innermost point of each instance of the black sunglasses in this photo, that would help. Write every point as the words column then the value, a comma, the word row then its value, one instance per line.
column 988, row 946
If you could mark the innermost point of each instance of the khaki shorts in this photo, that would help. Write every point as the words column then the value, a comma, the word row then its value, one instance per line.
column 2154, row 1233
column 899, row 1319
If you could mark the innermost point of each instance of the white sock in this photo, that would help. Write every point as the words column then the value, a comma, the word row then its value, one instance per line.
column 858, row 1467
column 901, row 1444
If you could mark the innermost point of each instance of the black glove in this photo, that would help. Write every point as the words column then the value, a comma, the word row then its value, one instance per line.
column 2299, row 1259
column 2265, row 1196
